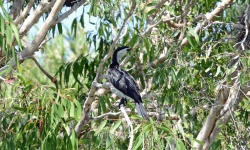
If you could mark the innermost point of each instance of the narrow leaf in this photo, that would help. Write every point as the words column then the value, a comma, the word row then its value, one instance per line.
column 115, row 126
column 101, row 126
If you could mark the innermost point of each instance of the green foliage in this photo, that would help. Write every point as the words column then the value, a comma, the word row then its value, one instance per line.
column 8, row 34
column 37, row 118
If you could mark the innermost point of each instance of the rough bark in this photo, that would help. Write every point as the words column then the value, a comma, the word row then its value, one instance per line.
column 230, row 93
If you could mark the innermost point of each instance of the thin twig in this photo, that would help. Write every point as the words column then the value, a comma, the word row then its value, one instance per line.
column 1, row 78
column 209, row 17
column 246, row 29
column 131, row 133
column 105, row 115
column 53, row 79
column 43, row 43
column 125, row 32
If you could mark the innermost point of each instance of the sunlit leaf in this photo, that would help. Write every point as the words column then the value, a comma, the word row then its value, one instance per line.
column 100, row 127
column 115, row 126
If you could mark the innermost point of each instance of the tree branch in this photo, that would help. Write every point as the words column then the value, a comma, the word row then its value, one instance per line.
column 24, row 13
column 67, row 13
column 131, row 133
column 106, row 115
column 233, row 100
column 44, row 6
column 16, row 8
column 212, row 117
column 209, row 17
column 54, row 80
column 246, row 21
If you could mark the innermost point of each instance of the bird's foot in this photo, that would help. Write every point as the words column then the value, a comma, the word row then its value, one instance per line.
column 123, row 102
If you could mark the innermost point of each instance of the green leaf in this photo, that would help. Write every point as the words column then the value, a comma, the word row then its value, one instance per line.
column 180, row 145
column 232, row 69
column 28, row 87
column 78, row 110
column 72, row 110
column 152, row 4
column 103, row 105
column 59, row 27
column 53, row 30
column 217, row 71
column 74, row 27
column 100, row 127
column 44, row 100
column 115, row 126
column 147, row 45
column 167, row 130
column 139, row 141
column 152, row 11
column 8, row 33
column 67, row 129
column 108, row 143
column 134, row 40
column 108, row 101
column 208, row 52
column 67, row 73
column 23, row 109
column 82, row 20
column 16, row 33
column 58, row 109
column 194, row 34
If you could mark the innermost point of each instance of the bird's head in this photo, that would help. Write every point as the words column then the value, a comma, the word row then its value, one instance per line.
column 121, row 52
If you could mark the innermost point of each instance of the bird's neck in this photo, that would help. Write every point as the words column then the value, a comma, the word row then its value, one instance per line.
column 114, row 59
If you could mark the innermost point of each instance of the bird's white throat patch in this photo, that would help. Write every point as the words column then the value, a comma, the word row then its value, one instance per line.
column 121, row 53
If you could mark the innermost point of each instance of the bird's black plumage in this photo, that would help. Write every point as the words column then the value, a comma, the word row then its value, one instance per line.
column 124, row 82
column 70, row 3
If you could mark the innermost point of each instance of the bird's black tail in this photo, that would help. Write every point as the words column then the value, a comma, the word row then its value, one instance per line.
column 141, row 110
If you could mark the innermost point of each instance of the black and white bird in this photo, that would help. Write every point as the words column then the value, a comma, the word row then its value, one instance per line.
column 124, row 85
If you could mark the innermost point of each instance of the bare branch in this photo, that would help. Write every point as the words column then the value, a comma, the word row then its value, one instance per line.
column 246, row 21
column 54, row 80
column 44, row 6
column 150, row 27
column 1, row 78
column 16, row 8
column 209, row 17
column 227, row 100
column 234, row 98
column 131, row 133
column 66, row 14
column 106, row 115
column 24, row 13
column 212, row 117
column 124, row 32
column 43, row 43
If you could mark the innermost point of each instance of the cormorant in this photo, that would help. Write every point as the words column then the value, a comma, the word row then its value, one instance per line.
column 124, row 85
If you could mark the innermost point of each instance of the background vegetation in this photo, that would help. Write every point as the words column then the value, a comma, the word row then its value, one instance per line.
column 190, row 59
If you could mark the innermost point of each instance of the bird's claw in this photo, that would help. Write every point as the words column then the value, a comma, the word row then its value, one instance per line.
column 123, row 102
